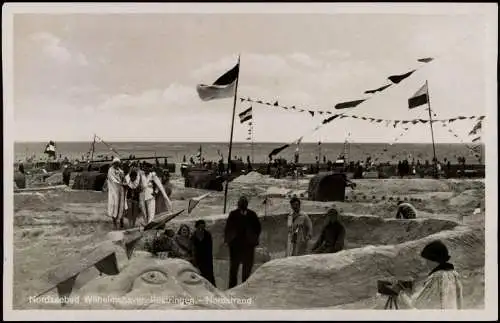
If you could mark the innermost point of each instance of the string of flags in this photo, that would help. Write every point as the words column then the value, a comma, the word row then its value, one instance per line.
column 387, row 122
column 395, row 79
column 474, row 150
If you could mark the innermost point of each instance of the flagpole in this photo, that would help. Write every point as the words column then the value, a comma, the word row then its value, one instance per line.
column 231, row 137
column 436, row 175
column 93, row 148
column 252, row 141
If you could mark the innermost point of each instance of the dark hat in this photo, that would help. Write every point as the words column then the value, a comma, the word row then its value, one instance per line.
column 436, row 251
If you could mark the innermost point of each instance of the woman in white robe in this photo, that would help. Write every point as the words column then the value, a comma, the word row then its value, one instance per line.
column 116, row 193
column 147, row 199
column 442, row 289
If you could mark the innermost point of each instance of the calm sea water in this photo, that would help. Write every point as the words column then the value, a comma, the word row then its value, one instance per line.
column 381, row 152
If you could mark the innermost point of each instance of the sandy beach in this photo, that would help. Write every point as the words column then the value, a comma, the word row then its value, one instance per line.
column 51, row 227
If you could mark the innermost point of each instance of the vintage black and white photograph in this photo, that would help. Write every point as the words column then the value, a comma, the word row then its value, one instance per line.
column 211, row 157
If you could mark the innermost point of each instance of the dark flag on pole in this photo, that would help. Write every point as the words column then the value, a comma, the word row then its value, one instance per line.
column 222, row 88
column 246, row 115
column 349, row 104
column 419, row 98
column 398, row 78
column 278, row 150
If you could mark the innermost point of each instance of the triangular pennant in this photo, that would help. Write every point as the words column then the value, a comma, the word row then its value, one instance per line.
column 396, row 123
column 378, row 90
column 276, row 104
column 426, row 59
column 312, row 113
column 259, row 101
column 330, row 119
column 292, row 107
column 268, row 103
column 398, row 78
column 349, row 104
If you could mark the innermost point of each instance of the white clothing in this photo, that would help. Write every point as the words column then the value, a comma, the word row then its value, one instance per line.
column 441, row 290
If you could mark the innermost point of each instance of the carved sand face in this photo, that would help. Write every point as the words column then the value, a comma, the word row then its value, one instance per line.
column 153, row 283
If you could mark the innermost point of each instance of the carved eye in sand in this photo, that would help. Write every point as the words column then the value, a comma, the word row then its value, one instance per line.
column 154, row 277
column 190, row 277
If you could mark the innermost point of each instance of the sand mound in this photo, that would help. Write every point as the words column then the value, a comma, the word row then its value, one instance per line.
column 323, row 280
column 400, row 186
column 468, row 198
column 153, row 283
column 250, row 178
column 460, row 185
column 55, row 179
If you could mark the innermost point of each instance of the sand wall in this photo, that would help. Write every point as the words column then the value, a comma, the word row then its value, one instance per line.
column 351, row 275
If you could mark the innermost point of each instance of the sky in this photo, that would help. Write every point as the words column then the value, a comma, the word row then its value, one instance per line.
column 133, row 77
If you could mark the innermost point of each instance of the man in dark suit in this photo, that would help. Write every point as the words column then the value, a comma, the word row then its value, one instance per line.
column 241, row 234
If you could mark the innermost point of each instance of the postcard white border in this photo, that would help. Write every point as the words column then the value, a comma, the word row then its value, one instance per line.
column 489, row 11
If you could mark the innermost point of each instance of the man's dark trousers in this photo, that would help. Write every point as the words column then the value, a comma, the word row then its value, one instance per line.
column 240, row 254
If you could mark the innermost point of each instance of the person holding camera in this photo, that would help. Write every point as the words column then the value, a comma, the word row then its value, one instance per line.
column 442, row 289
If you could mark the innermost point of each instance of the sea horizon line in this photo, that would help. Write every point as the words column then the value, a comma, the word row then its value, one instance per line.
column 245, row 142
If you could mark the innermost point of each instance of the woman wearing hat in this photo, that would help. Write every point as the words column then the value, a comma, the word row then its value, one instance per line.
column 442, row 289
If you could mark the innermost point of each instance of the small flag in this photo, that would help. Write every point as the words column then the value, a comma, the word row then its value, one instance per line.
column 246, row 115
column 378, row 90
column 398, row 78
column 312, row 113
column 419, row 98
column 349, row 104
column 330, row 119
column 426, row 60
column 476, row 139
column 193, row 202
column 278, row 150
column 222, row 88
column 198, row 155
column 476, row 128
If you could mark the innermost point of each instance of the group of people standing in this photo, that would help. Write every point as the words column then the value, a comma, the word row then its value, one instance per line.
column 195, row 247
column 139, row 188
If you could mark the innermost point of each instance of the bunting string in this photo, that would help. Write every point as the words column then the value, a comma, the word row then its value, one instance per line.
column 370, row 119
column 473, row 150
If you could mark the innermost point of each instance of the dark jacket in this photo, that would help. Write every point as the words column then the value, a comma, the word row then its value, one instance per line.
column 242, row 230
column 331, row 239
column 202, row 252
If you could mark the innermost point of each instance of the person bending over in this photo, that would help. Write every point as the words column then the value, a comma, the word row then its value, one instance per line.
column 332, row 236
column 406, row 211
